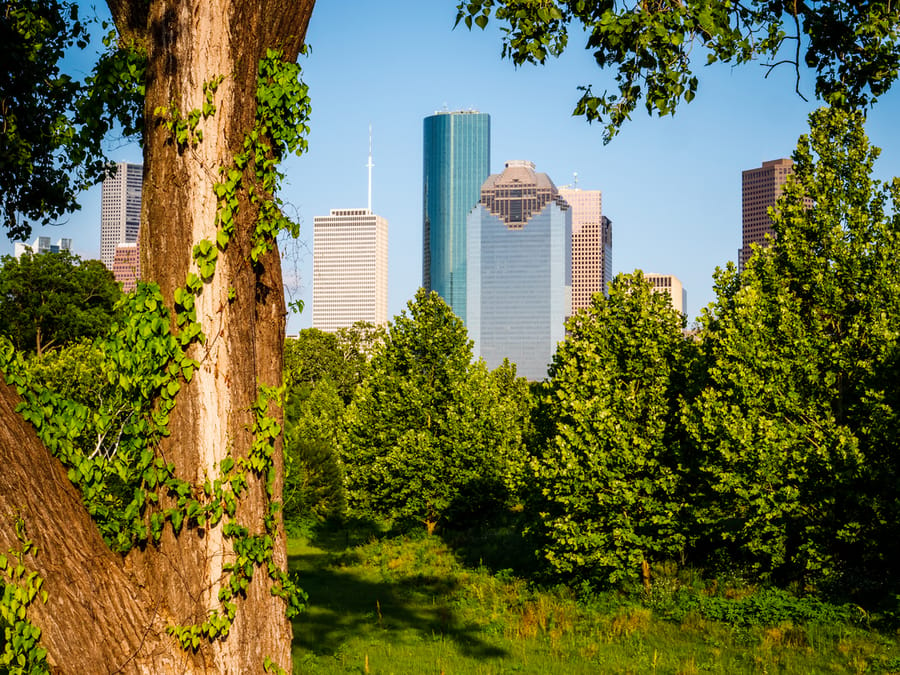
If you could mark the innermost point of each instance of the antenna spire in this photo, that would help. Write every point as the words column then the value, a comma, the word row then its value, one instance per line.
column 370, row 165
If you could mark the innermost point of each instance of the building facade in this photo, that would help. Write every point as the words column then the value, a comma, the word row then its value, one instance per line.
column 120, row 210
column 41, row 245
column 350, row 269
column 760, row 189
column 670, row 284
column 519, row 270
column 591, row 245
column 127, row 265
column 457, row 160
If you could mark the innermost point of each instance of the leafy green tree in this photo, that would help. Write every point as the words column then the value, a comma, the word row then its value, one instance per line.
column 75, row 371
column 314, row 476
column 609, row 489
column 51, row 299
column 506, row 403
column 310, row 357
column 421, row 443
column 342, row 357
column 322, row 371
column 36, row 131
column 799, row 423
column 853, row 47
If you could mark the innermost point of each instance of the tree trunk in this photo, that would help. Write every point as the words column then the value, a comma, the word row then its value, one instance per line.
column 97, row 619
column 115, row 610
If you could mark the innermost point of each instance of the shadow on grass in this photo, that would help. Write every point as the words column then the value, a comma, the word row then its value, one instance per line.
column 497, row 543
column 344, row 604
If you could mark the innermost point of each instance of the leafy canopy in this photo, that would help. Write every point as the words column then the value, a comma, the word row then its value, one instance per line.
column 799, row 422
column 51, row 299
column 852, row 46
column 35, row 101
column 52, row 126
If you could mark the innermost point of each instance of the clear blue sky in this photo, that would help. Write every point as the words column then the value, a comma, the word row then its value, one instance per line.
column 671, row 186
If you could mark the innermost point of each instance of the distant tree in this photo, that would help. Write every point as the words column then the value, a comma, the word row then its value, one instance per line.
column 421, row 441
column 507, row 403
column 76, row 371
column 314, row 476
column 322, row 371
column 52, row 299
column 609, row 492
column 315, row 355
column 799, row 423
column 853, row 47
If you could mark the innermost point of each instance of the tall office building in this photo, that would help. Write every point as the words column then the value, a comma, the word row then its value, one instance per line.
column 519, row 270
column 457, row 160
column 350, row 269
column 591, row 245
column 671, row 285
column 761, row 188
column 120, row 210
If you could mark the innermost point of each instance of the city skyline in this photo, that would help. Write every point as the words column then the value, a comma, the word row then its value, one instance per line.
column 671, row 186
column 126, row 267
column 591, row 245
column 761, row 187
column 672, row 286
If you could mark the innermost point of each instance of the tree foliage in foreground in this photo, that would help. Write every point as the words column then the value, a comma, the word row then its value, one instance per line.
column 428, row 436
column 798, row 426
column 853, row 47
column 52, row 299
column 36, row 185
column 608, row 477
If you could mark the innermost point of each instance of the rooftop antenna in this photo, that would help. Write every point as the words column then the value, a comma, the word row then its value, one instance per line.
column 575, row 178
column 370, row 165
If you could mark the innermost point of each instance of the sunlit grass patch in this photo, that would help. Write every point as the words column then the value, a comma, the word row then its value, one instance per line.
column 409, row 604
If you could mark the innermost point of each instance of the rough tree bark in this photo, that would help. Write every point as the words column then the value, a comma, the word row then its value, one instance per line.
column 107, row 613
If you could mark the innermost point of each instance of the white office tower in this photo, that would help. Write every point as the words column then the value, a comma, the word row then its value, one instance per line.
column 350, row 269
column 120, row 210
column 41, row 245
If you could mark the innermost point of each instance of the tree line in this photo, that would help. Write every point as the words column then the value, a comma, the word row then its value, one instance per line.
column 763, row 441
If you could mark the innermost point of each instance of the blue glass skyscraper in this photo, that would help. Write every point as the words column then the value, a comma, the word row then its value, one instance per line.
column 519, row 270
column 457, row 160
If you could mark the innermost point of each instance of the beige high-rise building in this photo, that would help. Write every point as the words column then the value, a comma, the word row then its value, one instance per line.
column 669, row 283
column 350, row 269
column 761, row 188
column 591, row 245
column 120, row 210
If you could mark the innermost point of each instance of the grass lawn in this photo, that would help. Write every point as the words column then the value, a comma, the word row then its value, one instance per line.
column 410, row 605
